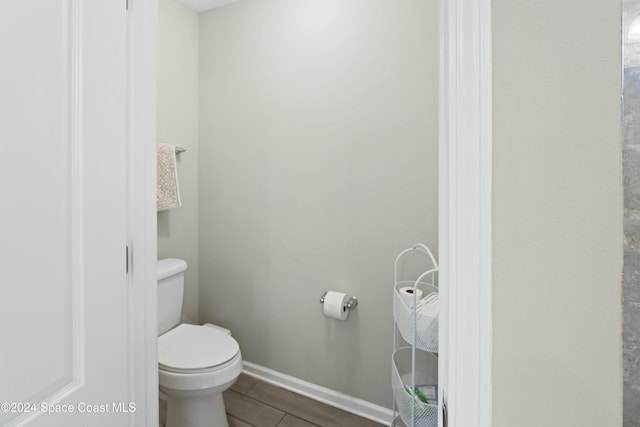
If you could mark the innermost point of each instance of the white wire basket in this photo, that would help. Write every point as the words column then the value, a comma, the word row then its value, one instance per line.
column 412, row 410
column 416, row 327
column 397, row 422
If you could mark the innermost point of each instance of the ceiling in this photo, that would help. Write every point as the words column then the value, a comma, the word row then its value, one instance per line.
column 204, row 5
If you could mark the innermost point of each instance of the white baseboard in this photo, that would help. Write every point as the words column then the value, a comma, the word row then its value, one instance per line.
column 340, row 400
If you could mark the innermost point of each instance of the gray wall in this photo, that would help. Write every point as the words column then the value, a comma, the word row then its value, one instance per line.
column 631, row 151
column 318, row 163
column 178, row 124
column 557, row 214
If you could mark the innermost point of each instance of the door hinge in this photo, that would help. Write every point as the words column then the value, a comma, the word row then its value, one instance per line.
column 127, row 4
column 127, row 259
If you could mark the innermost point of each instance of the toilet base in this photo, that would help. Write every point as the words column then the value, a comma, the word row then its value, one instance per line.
column 196, row 411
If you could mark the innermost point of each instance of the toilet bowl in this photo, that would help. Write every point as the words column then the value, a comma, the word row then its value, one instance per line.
column 195, row 363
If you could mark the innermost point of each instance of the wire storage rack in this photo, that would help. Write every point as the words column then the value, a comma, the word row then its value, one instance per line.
column 415, row 361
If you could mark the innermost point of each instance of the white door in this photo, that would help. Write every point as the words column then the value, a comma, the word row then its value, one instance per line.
column 64, row 310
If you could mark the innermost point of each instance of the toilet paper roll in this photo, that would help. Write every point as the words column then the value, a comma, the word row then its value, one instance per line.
column 335, row 305
column 406, row 293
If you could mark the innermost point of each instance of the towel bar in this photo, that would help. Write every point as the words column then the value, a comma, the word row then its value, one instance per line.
column 180, row 150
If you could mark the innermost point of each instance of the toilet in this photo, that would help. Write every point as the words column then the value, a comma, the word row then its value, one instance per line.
column 195, row 363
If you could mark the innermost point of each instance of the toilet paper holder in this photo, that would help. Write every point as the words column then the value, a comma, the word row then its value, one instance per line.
column 352, row 302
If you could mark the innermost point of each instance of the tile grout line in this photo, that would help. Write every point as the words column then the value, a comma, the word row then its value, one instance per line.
column 275, row 407
column 258, row 381
column 284, row 413
column 247, row 422
column 300, row 418
column 279, row 409
column 282, row 410
column 251, row 388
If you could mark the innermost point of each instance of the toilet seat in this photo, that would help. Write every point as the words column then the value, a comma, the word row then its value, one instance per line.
column 208, row 370
column 191, row 349
column 213, row 380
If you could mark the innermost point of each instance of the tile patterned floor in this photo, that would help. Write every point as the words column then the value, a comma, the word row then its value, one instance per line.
column 254, row 403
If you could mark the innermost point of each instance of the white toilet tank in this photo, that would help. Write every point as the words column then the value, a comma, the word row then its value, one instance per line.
column 170, row 273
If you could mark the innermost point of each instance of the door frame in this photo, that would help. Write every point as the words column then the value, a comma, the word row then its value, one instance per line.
column 465, row 192
column 142, row 40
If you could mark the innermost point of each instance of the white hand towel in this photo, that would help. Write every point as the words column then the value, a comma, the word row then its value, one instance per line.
column 168, row 190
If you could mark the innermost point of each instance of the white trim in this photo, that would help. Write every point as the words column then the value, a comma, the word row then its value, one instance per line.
column 331, row 397
column 465, row 211
column 77, row 191
column 142, row 27
column 444, row 88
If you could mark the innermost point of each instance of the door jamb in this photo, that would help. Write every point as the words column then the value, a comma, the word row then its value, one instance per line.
column 142, row 40
column 465, row 173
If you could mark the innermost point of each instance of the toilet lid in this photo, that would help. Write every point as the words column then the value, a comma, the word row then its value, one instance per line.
column 195, row 347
